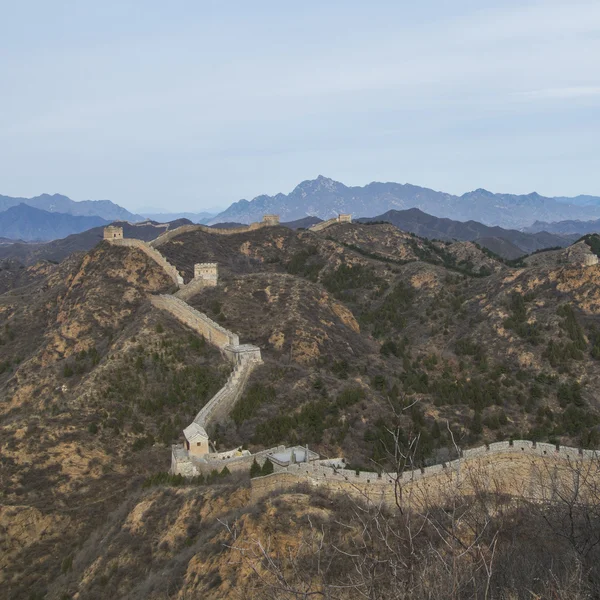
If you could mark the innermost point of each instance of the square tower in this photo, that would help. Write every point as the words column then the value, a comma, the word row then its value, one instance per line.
column 208, row 272
column 271, row 219
column 344, row 218
column 113, row 233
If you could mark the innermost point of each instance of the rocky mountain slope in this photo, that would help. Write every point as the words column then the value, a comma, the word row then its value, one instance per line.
column 360, row 326
column 325, row 198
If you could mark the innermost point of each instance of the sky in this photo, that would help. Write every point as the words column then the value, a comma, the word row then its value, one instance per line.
column 192, row 105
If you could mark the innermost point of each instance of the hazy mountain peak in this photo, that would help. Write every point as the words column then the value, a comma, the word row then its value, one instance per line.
column 325, row 198
column 58, row 203
column 321, row 183
column 479, row 192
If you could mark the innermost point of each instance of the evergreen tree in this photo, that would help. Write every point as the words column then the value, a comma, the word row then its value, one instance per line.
column 255, row 470
column 267, row 468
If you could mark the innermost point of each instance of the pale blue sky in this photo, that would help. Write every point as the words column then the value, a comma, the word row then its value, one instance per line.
column 186, row 105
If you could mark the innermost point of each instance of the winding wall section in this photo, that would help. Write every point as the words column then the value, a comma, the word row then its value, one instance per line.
column 194, row 319
column 155, row 255
column 522, row 469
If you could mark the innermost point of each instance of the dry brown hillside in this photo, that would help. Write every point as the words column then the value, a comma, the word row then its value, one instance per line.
column 355, row 324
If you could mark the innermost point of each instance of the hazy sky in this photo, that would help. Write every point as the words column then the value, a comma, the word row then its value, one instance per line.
column 187, row 105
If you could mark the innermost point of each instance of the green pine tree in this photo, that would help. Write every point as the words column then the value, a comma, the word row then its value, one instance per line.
column 267, row 468
column 255, row 470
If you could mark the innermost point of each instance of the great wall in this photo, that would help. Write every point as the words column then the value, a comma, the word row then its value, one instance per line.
column 268, row 221
column 195, row 455
column 341, row 218
column 519, row 468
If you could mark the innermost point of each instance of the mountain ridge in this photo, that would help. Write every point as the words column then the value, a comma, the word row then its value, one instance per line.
column 508, row 243
column 58, row 203
column 26, row 223
column 324, row 197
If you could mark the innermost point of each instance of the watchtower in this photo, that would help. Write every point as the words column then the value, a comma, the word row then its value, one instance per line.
column 344, row 218
column 208, row 272
column 113, row 233
column 271, row 219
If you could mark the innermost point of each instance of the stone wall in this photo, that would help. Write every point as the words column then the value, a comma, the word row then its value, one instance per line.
column 169, row 235
column 220, row 405
column 342, row 218
column 155, row 255
column 520, row 468
column 192, row 288
column 194, row 319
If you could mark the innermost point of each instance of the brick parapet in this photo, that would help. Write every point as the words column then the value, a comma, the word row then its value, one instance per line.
column 377, row 487
column 199, row 322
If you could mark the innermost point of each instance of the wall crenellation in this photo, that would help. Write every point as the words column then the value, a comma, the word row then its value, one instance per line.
column 383, row 486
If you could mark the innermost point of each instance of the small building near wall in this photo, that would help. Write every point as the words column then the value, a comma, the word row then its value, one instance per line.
column 196, row 440
column 271, row 219
column 283, row 458
column 208, row 272
column 113, row 233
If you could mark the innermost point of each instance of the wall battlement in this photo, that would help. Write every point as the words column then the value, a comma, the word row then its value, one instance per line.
column 508, row 467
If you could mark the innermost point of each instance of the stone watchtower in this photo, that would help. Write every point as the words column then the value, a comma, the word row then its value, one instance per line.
column 344, row 218
column 271, row 219
column 113, row 233
column 207, row 272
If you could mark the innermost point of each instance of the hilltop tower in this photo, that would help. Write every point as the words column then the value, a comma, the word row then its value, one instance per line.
column 207, row 272
column 271, row 219
column 344, row 218
column 113, row 233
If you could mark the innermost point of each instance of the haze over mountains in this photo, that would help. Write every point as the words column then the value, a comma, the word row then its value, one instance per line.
column 57, row 203
column 325, row 198
column 510, row 225
column 24, row 222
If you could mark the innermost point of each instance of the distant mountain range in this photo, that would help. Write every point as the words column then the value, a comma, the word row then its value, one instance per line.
column 56, row 203
column 566, row 227
column 507, row 243
column 57, row 250
column 325, row 198
column 202, row 217
column 23, row 222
